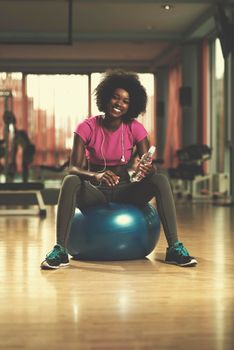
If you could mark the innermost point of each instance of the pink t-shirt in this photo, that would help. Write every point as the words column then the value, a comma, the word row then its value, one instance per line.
column 105, row 145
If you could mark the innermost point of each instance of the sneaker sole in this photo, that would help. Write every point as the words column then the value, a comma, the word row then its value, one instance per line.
column 191, row 263
column 46, row 266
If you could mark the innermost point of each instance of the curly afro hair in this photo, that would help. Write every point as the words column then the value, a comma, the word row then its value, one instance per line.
column 129, row 81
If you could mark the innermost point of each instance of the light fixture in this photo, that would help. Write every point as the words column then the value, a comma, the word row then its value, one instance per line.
column 167, row 7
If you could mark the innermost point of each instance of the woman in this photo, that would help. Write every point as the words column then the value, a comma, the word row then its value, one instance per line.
column 107, row 141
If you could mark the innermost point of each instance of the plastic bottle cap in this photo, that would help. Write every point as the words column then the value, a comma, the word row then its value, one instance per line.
column 152, row 150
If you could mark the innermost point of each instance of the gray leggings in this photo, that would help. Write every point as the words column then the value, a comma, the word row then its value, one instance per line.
column 81, row 194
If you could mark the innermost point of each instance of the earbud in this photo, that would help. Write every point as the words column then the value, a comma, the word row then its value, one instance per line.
column 122, row 142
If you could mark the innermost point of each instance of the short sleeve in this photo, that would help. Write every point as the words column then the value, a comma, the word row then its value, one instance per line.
column 84, row 130
column 138, row 131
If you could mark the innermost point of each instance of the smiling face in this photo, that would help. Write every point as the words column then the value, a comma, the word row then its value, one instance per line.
column 119, row 104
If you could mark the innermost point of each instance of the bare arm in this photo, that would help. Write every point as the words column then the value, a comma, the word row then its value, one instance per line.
column 78, row 161
column 143, row 147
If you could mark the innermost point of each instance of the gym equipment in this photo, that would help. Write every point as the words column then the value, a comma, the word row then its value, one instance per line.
column 189, row 178
column 114, row 231
column 8, row 131
column 13, row 138
column 21, row 193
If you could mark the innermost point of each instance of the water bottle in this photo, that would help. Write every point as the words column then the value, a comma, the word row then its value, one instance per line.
column 145, row 159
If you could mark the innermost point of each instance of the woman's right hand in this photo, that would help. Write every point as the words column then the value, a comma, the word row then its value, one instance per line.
column 108, row 177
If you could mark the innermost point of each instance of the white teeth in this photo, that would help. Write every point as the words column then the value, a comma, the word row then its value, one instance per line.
column 116, row 109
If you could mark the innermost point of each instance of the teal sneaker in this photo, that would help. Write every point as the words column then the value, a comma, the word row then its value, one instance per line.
column 56, row 258
column 178, row 255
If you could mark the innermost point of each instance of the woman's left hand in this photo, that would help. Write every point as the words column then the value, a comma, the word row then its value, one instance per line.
column 145, row 169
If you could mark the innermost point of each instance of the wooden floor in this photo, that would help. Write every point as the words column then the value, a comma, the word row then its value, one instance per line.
column 128, row 305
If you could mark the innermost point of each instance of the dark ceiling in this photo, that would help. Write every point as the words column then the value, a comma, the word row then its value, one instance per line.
column 89, row 33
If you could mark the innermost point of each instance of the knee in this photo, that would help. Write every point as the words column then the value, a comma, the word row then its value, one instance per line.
column 160, row 180
column 71, row 181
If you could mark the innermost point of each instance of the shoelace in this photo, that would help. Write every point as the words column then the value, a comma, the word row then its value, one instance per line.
column 181, row 249
column 53, row 253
